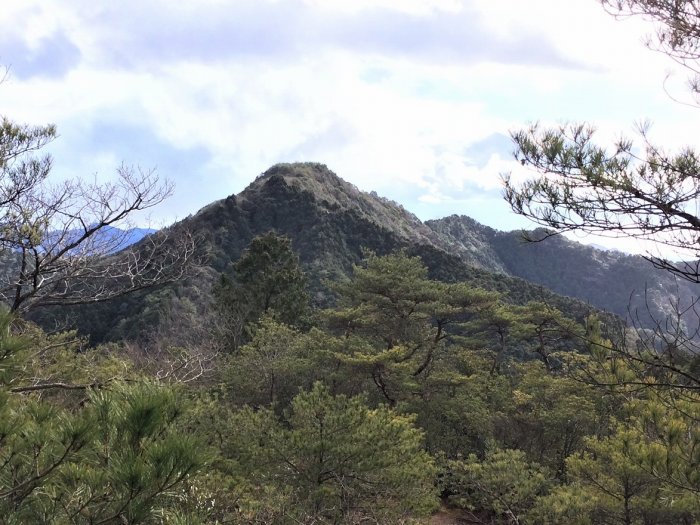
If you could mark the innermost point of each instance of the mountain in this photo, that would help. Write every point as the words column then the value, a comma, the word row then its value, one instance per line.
column 627, row 285
column 331, row 222
column 122, row 238
column 109, row 239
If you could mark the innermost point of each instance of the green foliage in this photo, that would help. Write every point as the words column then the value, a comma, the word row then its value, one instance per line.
column 277, row 362
column 460, row 405
column 334, row 460
column 532, row 330
column 547, row 330
column 136, row 461
column 504, row 484
column 550, row 416
column 11, row 350
column 266, row 280
column 610, row 191
column 623, row 492
column 329, row 222
column 390, row 300
column 566, row 505
column 113, row 456
column 496, row 330
column 17, row 170
column 667, row 426
column 403, row 318
column 635, row 475
column 38, row 440
column 539, row 442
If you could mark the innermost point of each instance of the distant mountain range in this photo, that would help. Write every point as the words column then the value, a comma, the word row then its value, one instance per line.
column 330, row 222
column 125, row 238
column 626, row 285
column 113, row 239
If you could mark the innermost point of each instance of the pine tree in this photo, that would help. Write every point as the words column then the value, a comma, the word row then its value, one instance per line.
column 266, row 280
column 334, row 460
column 400, row 320
column 115, row 455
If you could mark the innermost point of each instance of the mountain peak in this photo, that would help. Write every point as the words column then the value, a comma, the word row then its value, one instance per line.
column 332, row 194
column 331, row 222
column 302, row 170
column 310, row 177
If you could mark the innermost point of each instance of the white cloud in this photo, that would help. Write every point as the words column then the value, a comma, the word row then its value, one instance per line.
column 390, row 94
column 414, row 7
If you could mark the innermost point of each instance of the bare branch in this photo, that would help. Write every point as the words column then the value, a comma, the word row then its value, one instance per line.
column 70, row 249
column 51, row 386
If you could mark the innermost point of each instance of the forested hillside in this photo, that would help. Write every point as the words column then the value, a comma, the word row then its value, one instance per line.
column 409, row 397
column 627, row 285
column 331, row 223
column 331, row 359
column 305, row 353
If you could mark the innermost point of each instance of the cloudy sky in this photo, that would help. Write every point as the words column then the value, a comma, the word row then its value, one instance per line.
column 411, row 98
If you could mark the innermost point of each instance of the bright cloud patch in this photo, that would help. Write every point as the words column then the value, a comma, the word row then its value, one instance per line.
column 412, row 99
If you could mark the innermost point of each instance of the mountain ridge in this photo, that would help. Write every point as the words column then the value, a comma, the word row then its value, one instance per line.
column 331, row 223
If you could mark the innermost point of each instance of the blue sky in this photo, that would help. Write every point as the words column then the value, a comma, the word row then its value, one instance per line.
column 413, row 99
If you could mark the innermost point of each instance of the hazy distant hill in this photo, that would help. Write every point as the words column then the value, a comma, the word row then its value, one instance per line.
column 627, row 285
column 114, row 238
column 330, row 222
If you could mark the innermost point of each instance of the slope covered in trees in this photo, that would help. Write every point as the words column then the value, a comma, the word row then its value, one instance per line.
column 425, row 381
column 408, row 381
column 410, row 394
column 624, row 284
column 330, row 223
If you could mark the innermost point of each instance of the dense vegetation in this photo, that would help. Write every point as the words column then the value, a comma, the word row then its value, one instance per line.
column 330, row 223
column 378, row 374
column 409, row 395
